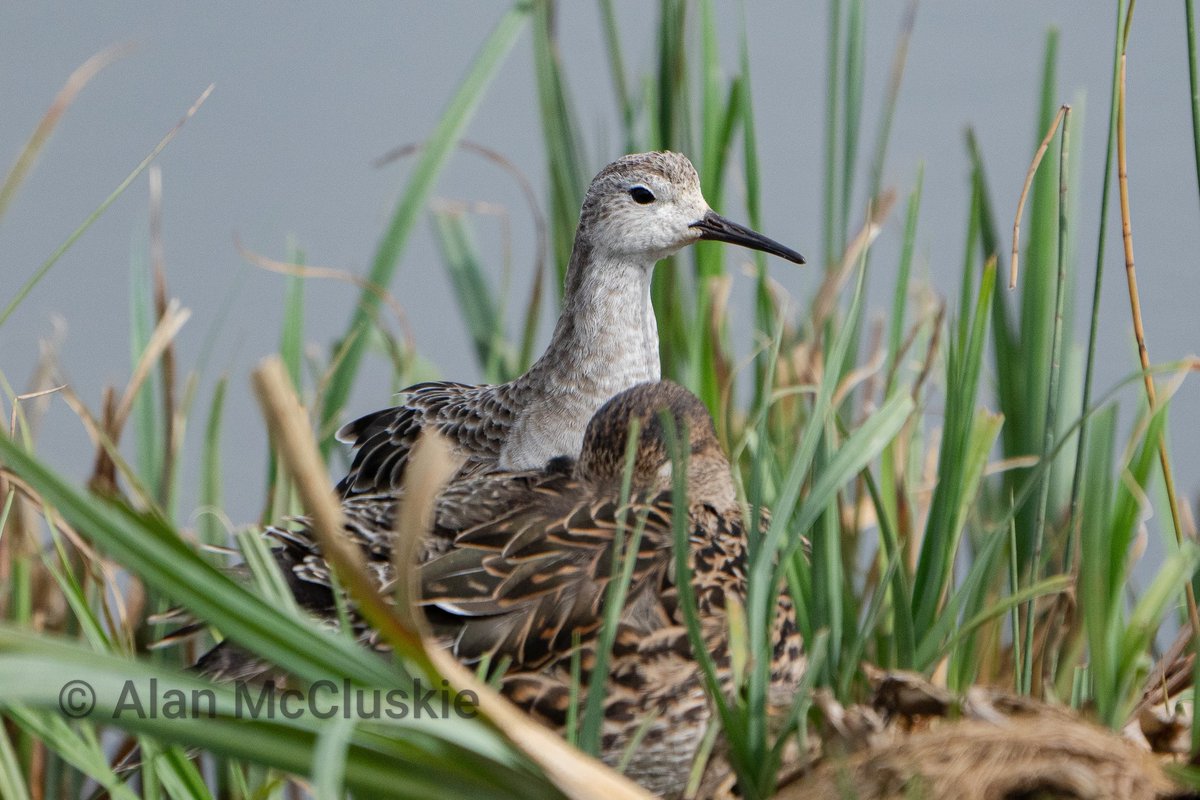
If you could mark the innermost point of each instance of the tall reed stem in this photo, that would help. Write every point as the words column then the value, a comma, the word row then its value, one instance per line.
column 1135, row 308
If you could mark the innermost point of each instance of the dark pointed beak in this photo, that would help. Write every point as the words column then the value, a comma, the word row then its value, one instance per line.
column 716, row 228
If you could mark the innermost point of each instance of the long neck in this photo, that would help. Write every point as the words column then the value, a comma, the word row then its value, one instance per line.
column 606, row 338
column 606, row 341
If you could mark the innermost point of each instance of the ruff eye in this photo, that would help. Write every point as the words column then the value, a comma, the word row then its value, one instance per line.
column 641, row 194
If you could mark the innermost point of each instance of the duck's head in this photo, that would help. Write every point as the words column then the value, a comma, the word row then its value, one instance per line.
column 653, row 407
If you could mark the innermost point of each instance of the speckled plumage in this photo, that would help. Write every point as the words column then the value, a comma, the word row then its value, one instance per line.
column 517, row 566
column 520, row 585
column 517, row 442
column 605, row 341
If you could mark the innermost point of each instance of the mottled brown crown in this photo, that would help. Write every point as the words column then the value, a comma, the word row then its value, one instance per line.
column 671, row 168
column 602, row 459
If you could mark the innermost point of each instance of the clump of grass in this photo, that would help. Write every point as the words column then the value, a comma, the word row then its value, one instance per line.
column 997, row 534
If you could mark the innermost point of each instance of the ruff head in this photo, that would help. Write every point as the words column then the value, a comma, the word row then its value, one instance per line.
column 646, row 206
column 602, row 459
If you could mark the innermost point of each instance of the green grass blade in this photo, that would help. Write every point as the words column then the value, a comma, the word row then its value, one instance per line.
column 899, row 60
column 329, row 766
column 392, row 758
column 831, row 245
column 747, row 748
column 616, row 68
column 624, row 559
column 1146, row 618
column 863, row 445
column 180, row 777
column 148, row 433
column 479, row 305
column 1026, row 384
column 145, row 545
column 1193, row 82
column 1098, row 280
column 78, row 79
column 12, row 779
column 566, row 165
column 291, row 337
column 966, row 440
column 900, row 296
column 72, row 745
column 828, row 576
column 441, row 142
column 896, row 580
column 208, row 525
column 41, row 271
column 268, row 580
column 1053, row 390
column 852, row 108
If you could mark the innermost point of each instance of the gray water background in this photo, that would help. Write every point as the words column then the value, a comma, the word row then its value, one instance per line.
column 308, row 95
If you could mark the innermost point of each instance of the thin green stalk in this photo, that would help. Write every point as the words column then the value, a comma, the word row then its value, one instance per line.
column 1189, row 6
column 616, row 68
column 712, row 111
column 291, row 335
column 967, row 289
column 1025, row 411
column 1101, row 239
column 1031, row 481
column 1135, row 311
column 900, row 297
column 6, row 510
column 151, row 446
column 1052, row 393
column 828, row 576
column 895, row 78
column 764, row 303
column 78, row 79
column 1014, row 581
column 670, row 129
column 565, row 165
column 966, row 440
column 832, row 203
column 624, row 558
column 12, row 777
column 746, row 750
column 852, row 112
column 896, row 580
column 443, row 139
column 572, row 724
column 27, row 287
column 1195, row 697
column 672, row 77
